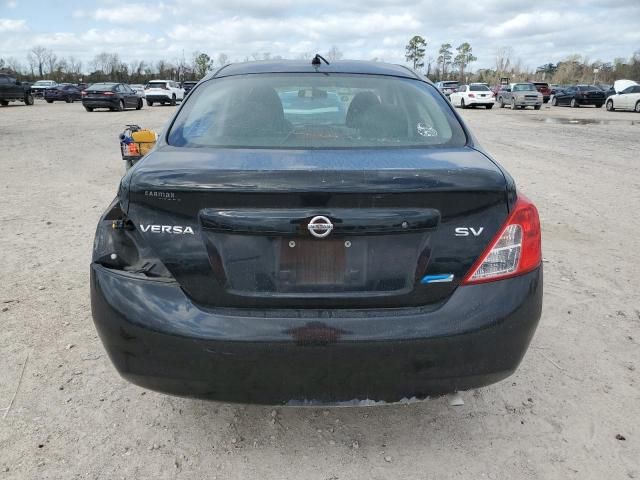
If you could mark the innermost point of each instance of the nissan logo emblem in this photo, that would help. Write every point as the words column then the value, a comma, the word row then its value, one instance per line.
column 320, row 226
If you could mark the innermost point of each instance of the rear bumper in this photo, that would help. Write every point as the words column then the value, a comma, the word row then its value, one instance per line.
column 590, row 101
column 158, row 98
column 100, row 103
column 158, row 339
column 482, row 101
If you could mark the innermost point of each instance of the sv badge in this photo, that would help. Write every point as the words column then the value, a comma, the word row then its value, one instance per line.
column 466, row 231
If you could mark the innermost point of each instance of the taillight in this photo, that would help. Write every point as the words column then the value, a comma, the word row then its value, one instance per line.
column 108, row 93
column 516, row 249
column 83, row 93
column 472, row 95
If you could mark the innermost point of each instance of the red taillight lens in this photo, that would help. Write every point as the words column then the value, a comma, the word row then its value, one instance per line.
column 516, row 249
column 472, row 95
column 108, row 93
column 83, row 93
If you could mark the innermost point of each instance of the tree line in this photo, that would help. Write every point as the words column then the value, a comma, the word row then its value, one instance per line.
column 445, row 63
column 450, row 64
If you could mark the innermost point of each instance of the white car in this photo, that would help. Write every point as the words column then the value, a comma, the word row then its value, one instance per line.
column 472, row 95
column 163, row 91
column 139, row 89
column 627, row 96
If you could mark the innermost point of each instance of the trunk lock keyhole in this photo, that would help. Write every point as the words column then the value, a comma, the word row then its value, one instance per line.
column 292, row 244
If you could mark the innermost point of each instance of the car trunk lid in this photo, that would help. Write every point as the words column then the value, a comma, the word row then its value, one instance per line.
column 233, row 226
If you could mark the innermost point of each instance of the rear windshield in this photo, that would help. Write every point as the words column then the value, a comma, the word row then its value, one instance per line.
column 523, row 87
column 101, row 87
column 156, row 84
column 305, row 111
column 478, row 88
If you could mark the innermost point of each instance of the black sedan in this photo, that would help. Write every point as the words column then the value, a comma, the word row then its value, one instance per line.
column 188, row 85
column 67, row 93
column 316, row 251
column 113, row 96
column 579, row 95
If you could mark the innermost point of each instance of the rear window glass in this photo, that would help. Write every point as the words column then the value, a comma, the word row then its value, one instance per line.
column 156, row 84
column 101, row 87
column 303, row 111
column 478, row 88
column 523, row 87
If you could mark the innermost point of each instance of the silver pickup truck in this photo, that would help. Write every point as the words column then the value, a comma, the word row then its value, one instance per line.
column 519, row 95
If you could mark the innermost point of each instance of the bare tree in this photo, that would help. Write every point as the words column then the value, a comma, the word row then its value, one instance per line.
column 503, row 60
column 334, row 54
column 223, row 59
column 39, row 55
column 51, row 60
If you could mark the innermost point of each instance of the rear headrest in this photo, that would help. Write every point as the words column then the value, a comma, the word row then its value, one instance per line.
column 360, row 103
column 260, row 112
column 384, row 121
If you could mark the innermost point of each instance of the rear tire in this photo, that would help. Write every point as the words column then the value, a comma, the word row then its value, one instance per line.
column 173, row 100
column 149, row 103
column 139, row 105
column 68, row 99
column 4, row 103
column 598, row 105
column 554, row 101
column 610, row 106
column 120, row 106
column 513, row 104
column 89, row 109
column 49, row 101
column 500, row 102
column 637, row 109
column 488, row 107
column 574, row 104
column 462, row 104
column 537, row 107
column 28, row 99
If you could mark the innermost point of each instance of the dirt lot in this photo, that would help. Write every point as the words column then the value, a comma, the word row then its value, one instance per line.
column 557, row 417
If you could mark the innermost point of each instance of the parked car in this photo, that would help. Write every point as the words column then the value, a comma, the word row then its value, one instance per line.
column 579, row 95
column 544, row 89
column 38, row 88
column 400, row 261
column 68, row 93
column 13, row 90
column 555, row 88
column 520, row 95
column 627, row 96
column 139, row 89
column 114, row 96
column 163, row 91
column 188, row 85
column 447, row 87
column 473, row 95
column 82, row 86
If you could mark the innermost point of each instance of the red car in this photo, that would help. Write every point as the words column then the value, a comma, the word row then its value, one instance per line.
column 543, row 88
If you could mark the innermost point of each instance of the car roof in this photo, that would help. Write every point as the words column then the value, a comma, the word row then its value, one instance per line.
column 304, row 66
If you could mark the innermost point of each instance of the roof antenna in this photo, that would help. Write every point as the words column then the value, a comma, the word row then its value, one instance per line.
column 316, row 60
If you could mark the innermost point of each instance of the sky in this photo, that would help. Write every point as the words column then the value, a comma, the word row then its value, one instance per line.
column 537, row 31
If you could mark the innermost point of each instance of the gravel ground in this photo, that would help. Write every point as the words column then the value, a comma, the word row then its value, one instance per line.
column 557, row 417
